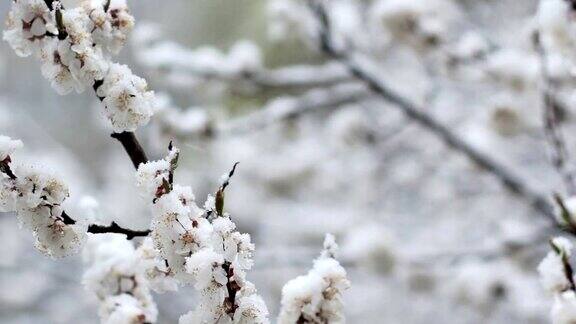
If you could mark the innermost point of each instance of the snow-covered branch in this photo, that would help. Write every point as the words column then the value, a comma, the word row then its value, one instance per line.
column 242, row 64
column 545, row 40
column 194, row 123
column 356, row 66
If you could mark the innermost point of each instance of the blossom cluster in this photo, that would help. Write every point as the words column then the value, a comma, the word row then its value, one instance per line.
column 558, row 279
column 37, row 197
column 200, row 246
column 74, row 46
column 316, row 296
column 117, row 276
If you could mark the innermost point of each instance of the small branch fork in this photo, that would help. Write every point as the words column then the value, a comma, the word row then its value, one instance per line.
column 95, row 229
column 510, row 181
column 128, row 140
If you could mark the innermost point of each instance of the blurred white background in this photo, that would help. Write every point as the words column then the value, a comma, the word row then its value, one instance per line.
column 425, row 234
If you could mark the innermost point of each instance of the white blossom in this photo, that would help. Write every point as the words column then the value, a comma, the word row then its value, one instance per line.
column 30, row 23
column 37, row 197
column 116, row 276
column 153, row 176
column 8, row 146
column 110, row 28
column 155, row 268
column 128, row 102
column 316, row 296
column 77, row 57
column 251, row 310
column 564, row 308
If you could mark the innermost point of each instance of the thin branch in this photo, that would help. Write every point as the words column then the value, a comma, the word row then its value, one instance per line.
column 510, row 181
column 128, row 140
column 278, row 110
column 96, row 229
column 294, row 77
column 115, row 228
column 551, row 120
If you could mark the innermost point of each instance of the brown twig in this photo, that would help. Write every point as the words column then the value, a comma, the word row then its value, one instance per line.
column 115, row 228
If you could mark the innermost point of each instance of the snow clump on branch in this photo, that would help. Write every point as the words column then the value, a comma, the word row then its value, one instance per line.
column 316, row 296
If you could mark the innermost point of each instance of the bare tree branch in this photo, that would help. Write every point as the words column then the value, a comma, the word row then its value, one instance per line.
column 115, row 228
column 276, row 111
column 295, row 77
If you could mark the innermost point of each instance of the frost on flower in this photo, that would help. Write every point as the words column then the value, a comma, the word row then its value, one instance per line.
column 37, row 197
column 178, row 229
column 38, row 205
column 316, row 296
column 194, row 246
column 153, row 178
column 8, row 146
column 75, row 53
column 30, row 23
column 128, row 102
column 55, row 71
column 116, row 276
column 564, row 308
column 219, row 273
column 110, row 28
column 155, row 268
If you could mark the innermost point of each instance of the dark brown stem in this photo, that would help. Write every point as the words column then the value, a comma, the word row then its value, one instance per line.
column 115, row 228
column 509, row 180
column 67, row 219
column 5, row 168
column 132, row 147
column 232, row 287
column 127, row 139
